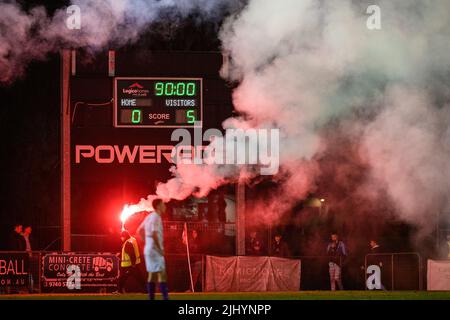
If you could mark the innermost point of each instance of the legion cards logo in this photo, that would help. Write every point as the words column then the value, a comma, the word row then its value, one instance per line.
column 136, row 90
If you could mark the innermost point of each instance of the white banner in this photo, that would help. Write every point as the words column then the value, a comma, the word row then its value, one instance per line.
column 438, row 275
column 238, row 274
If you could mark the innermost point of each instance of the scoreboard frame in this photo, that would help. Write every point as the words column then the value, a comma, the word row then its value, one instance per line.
column 116, row 123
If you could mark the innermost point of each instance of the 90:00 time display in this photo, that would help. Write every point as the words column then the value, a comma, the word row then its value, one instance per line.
column 175, row 89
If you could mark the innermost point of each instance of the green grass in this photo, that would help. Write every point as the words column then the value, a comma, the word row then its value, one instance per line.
column 303, row 295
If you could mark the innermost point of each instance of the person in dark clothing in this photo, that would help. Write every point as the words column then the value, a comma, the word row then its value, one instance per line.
column 280, row 247
column 130, row 261
column 374, row 247
column 221, row 208
column 336, row 252
column 195, row 246
column 213, row 208
column 34, row 260
column 374, row 257
column 17, row 241
column 254, row 245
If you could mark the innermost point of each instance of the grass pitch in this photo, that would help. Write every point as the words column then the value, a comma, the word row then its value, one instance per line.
column 302, row 295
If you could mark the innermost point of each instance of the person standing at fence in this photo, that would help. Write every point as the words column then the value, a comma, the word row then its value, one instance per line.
column 34, row 264
column 254, row 245
column 17, row 241
column 155, row 263
column 27, row 238
column 130, row 261
column 336, row 252
column 374, row 257
column 374, row 247
column 280, row 247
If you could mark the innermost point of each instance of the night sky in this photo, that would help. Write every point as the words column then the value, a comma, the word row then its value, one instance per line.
column 30, row 129
column 30, row 141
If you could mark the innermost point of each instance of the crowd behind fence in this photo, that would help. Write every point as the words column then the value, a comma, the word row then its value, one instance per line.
column 405, row 271
column 400, row 271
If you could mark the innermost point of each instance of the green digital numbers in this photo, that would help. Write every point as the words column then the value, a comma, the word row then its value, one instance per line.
column 169, row 89
column 175, row 89
column 136, row 116
column 181, row 88
column 190, row 115
column 151, row 102
column 159, row 88
column 190, row 89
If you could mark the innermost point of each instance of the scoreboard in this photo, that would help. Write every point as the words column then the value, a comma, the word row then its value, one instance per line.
column 158, row 102
column 124, row 108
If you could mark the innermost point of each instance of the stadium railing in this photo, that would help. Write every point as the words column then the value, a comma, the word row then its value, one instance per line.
column 399, row 270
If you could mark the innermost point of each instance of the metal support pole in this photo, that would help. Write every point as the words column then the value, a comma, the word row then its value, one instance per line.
column 437, row 231
column 65, row 149
column 240, row 219
column 365, row 272
column 111, row 63
column 269, row 241
column 420, row 272
column 392, row 272
column 186, row 234
column 203, row 273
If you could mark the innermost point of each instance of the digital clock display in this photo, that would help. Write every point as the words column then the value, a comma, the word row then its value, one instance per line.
column 180, row 89
column 157, row 102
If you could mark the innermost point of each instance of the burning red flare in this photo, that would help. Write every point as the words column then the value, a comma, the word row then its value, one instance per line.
column 129, row 210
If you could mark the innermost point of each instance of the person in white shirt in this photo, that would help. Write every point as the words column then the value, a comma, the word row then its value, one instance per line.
column 152, row 231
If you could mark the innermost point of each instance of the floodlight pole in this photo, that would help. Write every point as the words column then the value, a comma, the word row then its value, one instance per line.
column 65, row 150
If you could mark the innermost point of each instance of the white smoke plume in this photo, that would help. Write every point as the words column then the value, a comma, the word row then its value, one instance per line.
column 315, row 71
column 305, row 65
column 32, row 35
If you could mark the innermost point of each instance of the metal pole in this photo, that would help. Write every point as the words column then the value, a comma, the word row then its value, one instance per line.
column 240, row 219
column 269, row 241
column 65, row 149
column 365, row 272
column 438, row 232
column 392, row 272
column 111, row 63
column 40, row 272
column 188, row 255
column 420, row 271
column 203, row 273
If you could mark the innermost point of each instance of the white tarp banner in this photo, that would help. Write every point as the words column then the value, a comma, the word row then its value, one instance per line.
column 237, row 274
column 438, row 275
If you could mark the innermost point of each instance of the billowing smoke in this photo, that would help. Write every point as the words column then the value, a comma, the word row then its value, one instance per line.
column 363, row 114
column 33, row 34
column 315, row 70
column 407, row 145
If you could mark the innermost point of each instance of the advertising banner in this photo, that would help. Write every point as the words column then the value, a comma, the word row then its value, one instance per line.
column 75, row 272
column 237, row 274
column 438, row 275
column 14, row 268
